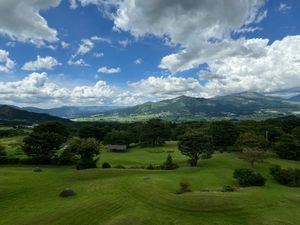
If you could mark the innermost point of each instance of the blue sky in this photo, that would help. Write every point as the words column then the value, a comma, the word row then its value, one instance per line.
column 125, row 52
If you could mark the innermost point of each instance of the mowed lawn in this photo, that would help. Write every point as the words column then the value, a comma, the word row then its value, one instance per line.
column 136, row 196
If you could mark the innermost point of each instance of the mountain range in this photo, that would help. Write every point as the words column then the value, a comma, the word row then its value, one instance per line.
column 246, row 105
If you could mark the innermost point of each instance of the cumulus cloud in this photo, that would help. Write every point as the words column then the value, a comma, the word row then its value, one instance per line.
column 40, row 63
column 78, row 62
column 37, row 89
column 6, row 64
column 105, row 69
column 98, row 54
column 266, row 68
column 22, row 21
column 87, row 45
column 166, row 87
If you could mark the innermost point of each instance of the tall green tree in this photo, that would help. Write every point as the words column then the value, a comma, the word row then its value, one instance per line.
column 288, row 147
column 195, row 145
column 154, row 132
column 118, row 137
column 44, row 141
column 224, row 134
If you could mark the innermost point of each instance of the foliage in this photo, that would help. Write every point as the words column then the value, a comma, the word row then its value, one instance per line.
column 224, row 134
column 44, row 141
column 228, row 188
column 247, row 177
column 289, row 177
column 184, row 186
column 195, row 145
column 154, row 132
column 251, row 140
column 2, row 151
column 169, row 164
column 106, row 165
column 253, row 155
column 117, row 137
column 87, row 149
column 42, row 146
column 288, row 147
column 93, row 131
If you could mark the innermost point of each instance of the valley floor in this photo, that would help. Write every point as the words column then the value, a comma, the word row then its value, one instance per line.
column 137, row 196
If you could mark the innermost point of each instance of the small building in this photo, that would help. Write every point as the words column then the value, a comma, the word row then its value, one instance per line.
column 117, row 148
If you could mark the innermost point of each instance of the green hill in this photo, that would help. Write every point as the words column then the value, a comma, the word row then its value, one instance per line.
column 12, row 114
column 246, row 105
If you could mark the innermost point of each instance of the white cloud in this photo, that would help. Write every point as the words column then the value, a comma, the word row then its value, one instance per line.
column 85, row 46
column 78, row 62
column 124, row 42
column 37, row 89
column 73, row 4
column 166, row 87
column 105, row 69
column 64, row 44
column 22, row 21
column 98, row 54
column 266, row 68
column 284, row 8
column 11, row 44
column 138, row 61
column 6, row 64
column 47, row 62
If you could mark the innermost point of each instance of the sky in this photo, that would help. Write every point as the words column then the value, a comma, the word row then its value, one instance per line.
column 126, row 52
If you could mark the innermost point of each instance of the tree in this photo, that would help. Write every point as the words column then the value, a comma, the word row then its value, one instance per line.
column 42, row 146
column 195, row 145
column 2, row 151
column 252, row 155
column 251, row 140
column 154, row 132
column 169, row 164
column 87, row 149
column 92, row 131
column 44, row 141
column 52, row 127
column 224, row 134
column 288, row 147
column 118, row 138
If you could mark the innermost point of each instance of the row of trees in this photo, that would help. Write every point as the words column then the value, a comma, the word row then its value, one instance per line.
column 54, row 142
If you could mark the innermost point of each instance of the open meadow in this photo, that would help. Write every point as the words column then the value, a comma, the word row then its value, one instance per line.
column 139, row 196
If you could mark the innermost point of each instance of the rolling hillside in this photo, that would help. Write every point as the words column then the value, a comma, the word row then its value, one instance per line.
column 246, row 105
column 12, row 114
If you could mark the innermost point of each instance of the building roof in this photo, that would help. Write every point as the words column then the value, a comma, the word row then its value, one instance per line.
column 117, row 147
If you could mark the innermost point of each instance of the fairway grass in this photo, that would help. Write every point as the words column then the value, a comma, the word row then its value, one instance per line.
column 125, row 197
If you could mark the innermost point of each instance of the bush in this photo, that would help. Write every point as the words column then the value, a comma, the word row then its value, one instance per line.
column 228, row 188
column 247, row 177
column 289, row 177
column 86, row 163
column 184, row 187
column 169, row 164
column 106, row 165
column 120, row 167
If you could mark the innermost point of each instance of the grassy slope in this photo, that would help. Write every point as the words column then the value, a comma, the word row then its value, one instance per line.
column 112, row 196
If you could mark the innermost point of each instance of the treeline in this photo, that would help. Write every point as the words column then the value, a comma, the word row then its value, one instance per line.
column 80, row 144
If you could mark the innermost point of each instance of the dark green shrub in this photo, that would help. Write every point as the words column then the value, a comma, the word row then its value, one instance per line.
column 289, row 177
column 247, row 177
column 228, row 188
column 184, row 187
column 86, row 163
column 106, row 165
column 169, row 164
column 120, row 167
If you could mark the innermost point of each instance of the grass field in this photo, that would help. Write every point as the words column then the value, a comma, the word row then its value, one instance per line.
column 125, row 197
